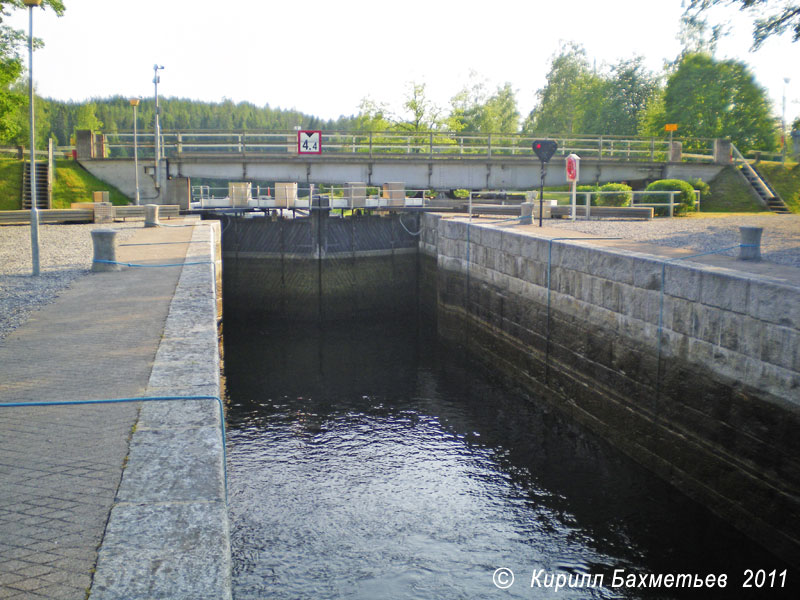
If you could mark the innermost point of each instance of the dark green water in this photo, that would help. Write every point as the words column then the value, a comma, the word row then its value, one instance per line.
column 368, row 461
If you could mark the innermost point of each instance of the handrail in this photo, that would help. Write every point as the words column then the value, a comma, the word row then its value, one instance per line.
column 433, row 144
column 741, row 162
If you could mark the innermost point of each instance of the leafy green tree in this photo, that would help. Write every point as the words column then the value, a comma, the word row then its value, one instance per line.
column 423, row 114
column 714, row 99
column 562, row 100
column 474, row 110
column 614, row 106
column 771, row 17
column 372, row 116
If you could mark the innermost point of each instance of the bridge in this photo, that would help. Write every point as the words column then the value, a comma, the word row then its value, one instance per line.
column 420, row 160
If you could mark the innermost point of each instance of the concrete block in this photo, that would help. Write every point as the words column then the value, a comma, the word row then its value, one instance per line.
column 492, row 238
column 611, row 265
column 451, row 229
column 511, row 242
column 529, row 246
column 705, row 323
column 731, row 327
column 780, row 346
column 724, row 291
column 682, row 281
column 750, row 343
column 647, row 273
column 572, row 256
column 681, row 311
column 182, row 551
column 775, row 303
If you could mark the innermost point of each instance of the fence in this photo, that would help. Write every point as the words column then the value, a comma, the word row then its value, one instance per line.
column 430, row 144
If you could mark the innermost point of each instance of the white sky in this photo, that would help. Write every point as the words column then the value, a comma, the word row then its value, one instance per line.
column 323, row 56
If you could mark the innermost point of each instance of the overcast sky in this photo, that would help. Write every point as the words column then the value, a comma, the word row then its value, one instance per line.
column 323, row 56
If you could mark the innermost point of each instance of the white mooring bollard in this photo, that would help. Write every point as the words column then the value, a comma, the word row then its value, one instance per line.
column 105, row 249
column 151, row 215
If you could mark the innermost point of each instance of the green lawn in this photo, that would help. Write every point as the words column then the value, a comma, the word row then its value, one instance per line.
column 730, row 194
column 75, row 184
column 10, row 183
column 786, row 181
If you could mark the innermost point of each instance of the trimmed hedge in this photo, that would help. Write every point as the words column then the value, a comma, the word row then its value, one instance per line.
column 684, row 201
column 622, row 197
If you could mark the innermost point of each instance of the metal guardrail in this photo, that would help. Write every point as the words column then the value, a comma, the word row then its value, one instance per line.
column 438, row 144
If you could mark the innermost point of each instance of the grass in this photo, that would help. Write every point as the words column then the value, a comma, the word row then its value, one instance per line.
column 730, row 194
column 10, row 184
column 786, row 181
column 73, row 184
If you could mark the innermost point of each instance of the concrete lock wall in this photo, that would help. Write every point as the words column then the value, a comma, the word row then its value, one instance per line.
column 717, row 416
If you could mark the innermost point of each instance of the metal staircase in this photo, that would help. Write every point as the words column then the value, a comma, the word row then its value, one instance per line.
column 769, row 197
column 43, row 187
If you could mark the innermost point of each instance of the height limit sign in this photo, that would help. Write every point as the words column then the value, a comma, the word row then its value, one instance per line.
column 309, row 142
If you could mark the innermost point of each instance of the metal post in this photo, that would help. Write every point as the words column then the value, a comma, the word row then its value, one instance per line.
column 135, row 104
column 157, row 128
column 34, row 199
column 541, row 193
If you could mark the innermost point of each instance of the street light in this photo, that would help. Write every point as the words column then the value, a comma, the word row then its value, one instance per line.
column 157, row 129
column 134, row 104
column 34, row 209
column 783, row 121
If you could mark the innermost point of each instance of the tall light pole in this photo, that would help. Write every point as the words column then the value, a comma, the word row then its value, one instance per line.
column 135, row 104
column 34, row 209
column 157, row 129
column 783, row 121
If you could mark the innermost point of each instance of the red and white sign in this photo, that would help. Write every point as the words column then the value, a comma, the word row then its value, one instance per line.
column 573, row 167
column 309, row 142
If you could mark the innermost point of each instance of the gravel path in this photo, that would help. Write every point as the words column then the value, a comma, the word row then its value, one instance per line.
column 780, row 242
column 65, row 253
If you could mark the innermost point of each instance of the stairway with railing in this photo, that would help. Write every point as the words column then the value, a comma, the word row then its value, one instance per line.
column 759, row 184
column 42, row 186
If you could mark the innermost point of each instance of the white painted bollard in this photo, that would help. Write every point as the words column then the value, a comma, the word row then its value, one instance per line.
column 526, row 216
column 151, row 215
column 750, row 248
column 105, row 249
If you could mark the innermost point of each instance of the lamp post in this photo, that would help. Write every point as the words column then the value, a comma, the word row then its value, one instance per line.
column 135, row 104
column 34, row 209
column 157, row 129
column 783, row 122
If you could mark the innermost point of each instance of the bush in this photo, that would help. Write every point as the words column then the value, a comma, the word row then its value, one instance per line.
column 684, row 201
column 622, row 196
column 461, row 194
column 701, row 186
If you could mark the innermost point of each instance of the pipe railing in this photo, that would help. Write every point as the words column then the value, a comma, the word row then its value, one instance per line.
column 405, row 143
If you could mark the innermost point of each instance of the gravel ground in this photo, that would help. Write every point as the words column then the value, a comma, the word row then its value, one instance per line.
column 780, row 242
column 65, row 253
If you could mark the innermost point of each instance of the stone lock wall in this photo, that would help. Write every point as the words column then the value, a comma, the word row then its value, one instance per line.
column 692, row 370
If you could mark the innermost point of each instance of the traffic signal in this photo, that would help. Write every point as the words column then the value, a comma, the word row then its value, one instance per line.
column 545, row 149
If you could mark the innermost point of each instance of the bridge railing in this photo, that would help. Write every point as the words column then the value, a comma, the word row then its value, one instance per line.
column 412, row 144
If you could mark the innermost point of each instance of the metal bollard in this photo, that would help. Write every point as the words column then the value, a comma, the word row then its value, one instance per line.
column 151, row 215
column 750, row 248
column 526, row 216
column 105, row 249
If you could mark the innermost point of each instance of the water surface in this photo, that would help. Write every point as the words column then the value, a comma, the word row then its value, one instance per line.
column 368, row 461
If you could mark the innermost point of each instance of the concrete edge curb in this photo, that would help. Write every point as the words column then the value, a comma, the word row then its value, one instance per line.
column 168, row 534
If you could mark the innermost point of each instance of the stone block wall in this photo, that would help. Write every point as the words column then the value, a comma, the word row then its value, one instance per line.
column 693, row 370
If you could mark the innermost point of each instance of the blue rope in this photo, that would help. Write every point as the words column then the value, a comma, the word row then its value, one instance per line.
column 143, row 399
column 114, row 262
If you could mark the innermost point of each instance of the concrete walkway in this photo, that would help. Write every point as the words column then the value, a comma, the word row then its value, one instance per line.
column 60, row 467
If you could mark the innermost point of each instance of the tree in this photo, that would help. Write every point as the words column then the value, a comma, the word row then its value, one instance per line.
column 424, row 114
column 473, row 110
column 621, row 99
column 772, row 17
column 372, row 116
column 714, row 99
column 562, row 100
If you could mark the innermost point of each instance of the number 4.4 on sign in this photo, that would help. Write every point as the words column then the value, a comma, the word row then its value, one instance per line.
column 309, row 142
